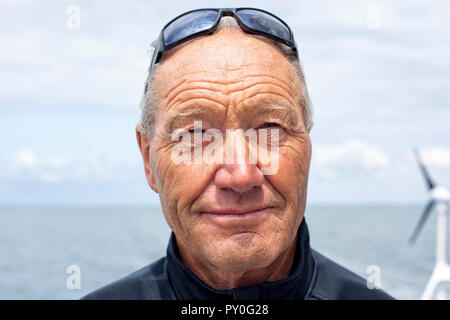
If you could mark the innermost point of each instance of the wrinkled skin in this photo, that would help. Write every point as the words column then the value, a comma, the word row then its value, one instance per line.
column 230, row 74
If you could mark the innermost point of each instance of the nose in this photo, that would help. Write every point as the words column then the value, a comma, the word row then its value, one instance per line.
column 240, row 171
column 239, row 177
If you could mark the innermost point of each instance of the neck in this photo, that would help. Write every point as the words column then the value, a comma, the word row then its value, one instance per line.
column 216, row 278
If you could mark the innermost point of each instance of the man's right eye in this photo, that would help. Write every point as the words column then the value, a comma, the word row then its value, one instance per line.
column 196, row 130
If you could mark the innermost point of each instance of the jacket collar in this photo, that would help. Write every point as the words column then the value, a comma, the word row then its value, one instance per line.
column 187, row 286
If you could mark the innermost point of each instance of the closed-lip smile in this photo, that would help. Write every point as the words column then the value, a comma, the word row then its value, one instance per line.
column 237, row 211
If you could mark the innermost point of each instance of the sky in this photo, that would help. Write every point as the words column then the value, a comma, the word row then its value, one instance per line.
column 378, row 74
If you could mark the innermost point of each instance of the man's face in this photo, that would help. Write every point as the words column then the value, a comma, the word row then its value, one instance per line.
column 230, row 80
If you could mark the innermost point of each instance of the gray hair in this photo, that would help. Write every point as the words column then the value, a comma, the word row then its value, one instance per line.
column 149, row 106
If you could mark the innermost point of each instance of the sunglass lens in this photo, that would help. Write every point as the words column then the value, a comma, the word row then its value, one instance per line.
column 188, row 25
column 264, row 22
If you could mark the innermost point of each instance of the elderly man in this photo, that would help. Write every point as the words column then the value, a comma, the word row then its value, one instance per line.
column 218, row 77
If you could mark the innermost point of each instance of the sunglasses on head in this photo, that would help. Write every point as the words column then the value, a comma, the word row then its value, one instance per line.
column 200, row 22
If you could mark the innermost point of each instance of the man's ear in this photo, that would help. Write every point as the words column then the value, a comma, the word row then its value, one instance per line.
column 144, row 146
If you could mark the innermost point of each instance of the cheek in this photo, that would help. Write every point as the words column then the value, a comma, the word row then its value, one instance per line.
column 179, row 185
column 291, row 179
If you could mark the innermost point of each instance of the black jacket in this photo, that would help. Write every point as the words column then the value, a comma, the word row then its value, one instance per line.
column 314, row 277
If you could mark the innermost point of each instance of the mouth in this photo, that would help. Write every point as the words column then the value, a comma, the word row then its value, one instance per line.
column 234, row 212
column 238, row 219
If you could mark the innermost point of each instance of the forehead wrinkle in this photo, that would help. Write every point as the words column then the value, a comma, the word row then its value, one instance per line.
column 180, row 99
column 248, row 78
column 200, row 88
column 252, row 69
column 224, row 84
column 219, row 95
column 268, row 87
column 225, row 87
column 220, row 91
column 180, row 80
column 184, row 80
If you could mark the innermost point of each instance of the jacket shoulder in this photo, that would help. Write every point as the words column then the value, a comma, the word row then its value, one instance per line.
column 148, row 283
column 334, row 282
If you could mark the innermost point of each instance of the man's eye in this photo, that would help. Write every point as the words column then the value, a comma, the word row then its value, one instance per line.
column 270, row 125
column 196, row 130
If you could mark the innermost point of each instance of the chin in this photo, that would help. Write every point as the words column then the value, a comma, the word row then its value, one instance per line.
column 243, row 251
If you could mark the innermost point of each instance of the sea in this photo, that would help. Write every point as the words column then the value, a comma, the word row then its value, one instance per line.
column 65, row 253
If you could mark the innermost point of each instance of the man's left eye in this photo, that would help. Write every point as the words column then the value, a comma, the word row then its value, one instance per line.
column 270, row 125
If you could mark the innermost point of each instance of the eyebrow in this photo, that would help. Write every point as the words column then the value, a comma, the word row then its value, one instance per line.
column 272, row 106
column 188, row 113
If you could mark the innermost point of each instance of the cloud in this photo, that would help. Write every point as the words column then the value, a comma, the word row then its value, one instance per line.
column 354, row 152
column 349, row 161
column 94, row 167
column 25, row 158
